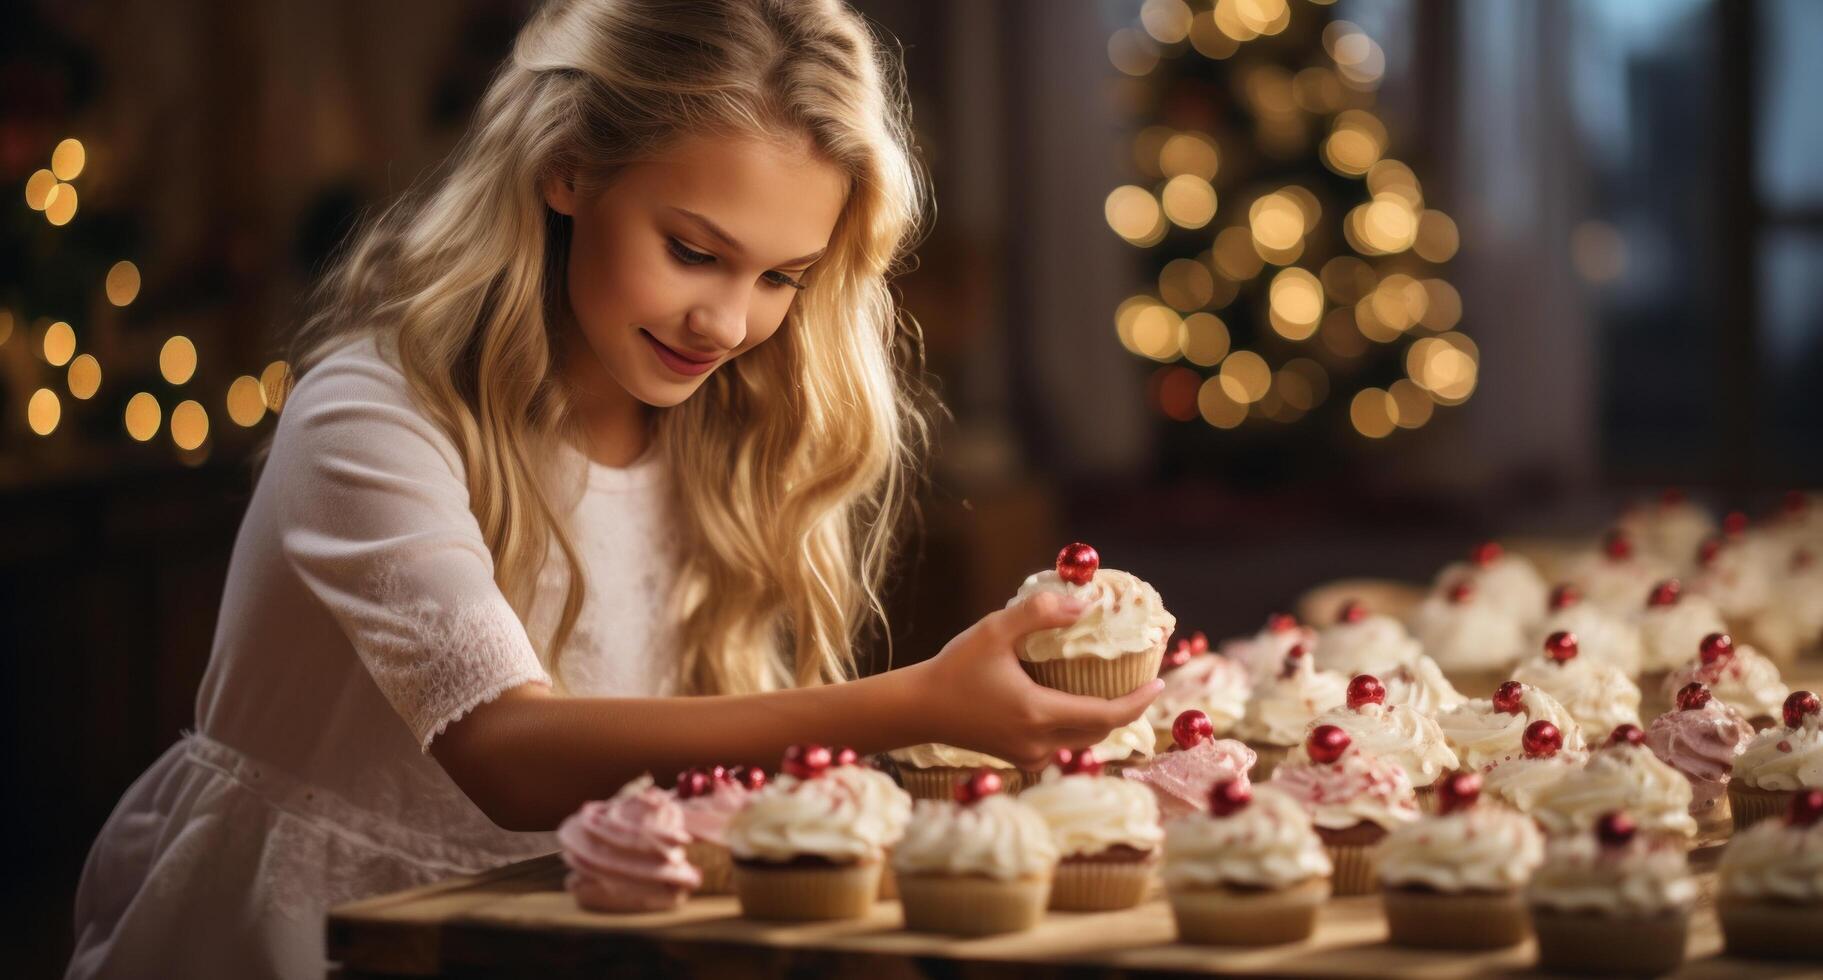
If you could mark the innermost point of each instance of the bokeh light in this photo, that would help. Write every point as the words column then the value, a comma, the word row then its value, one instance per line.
column 189, row 425
column 43, row 411
column 123, row 283
column 59, row 344
column 177, row 362
column 84, row 376
column 143, row 416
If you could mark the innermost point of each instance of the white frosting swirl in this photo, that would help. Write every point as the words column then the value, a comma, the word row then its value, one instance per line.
column 1374, row 644
column 1283, row 706
column 822, row 817
column 1511, row 583
column 1737, row 579
column 1211, row 683
column 1519, row 781
column 1122, row 615
column 934, row 755
column 1264, row 653
column 1618, row 777
column 1672, row 634
column 1775, row 861
column 998, row 837
column 1600, row 635
column 1618, row 585
column 1267, row 844
column 1481, row 848
column 1597, row 694
column 1781, row 758
column 1399, row 735
column 1421, row 686
column 1134, row 740
column 879, row 797
column 1358, row 788
column 1482, row 736
column 1471, row 635
column 1746, row 682
column 1090, row 814
column 1646, row 877
column 1671, row 531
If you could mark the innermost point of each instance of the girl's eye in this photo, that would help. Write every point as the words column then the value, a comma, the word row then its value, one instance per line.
column 687, row 255
column 781, row 279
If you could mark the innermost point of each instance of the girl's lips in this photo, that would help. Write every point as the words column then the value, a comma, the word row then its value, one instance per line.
column 675, row 361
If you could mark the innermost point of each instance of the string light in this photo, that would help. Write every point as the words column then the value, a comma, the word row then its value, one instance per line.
column 123, row 283
column 246, row 403
column 60, row 204
column 143, row 416
column 275, row 385
column 1206, row 339
column 84, row 377
column 38, row 188
column 1135, row 215
column 59, row 344
column 189, row 425
column 177, row 362
column 43, row 411
column 68, row 159
column 1166, row 20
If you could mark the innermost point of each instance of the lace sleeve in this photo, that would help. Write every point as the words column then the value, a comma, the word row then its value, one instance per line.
column 375, row 522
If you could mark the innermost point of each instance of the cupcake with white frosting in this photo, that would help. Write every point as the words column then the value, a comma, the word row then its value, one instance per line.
column 1736, row 675
column 882, row 800
column 1612, row 901
column 1180, row 777
column 1671, row 629
column 1250, row 871
column 1208, row 682
column 1129, row 745
column 1509, row 581
column 1793, row 621
column 1283, row 706
column 1700, row 738
column 1485, row 731
column 1606, row 636
column 1106, row 829
column 1475, row 641
column 1617, row 574
column 1403, row 736
column 1669, row 528
column 1354, row 797
column 1456, row 880
column 1599, row 695
column 1623, row 774
column 1363, row 642
column 1778, row 764
column 1421, row 686
column 1517, row 782
column 809, row 847
column 978, row 866
column 1114, row 647
column 1771, row 901
column 1264, row 653
column 1734, row 574
column 931, row 771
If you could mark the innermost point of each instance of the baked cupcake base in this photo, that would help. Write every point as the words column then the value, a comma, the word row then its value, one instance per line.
column 1770, row 930
column 714, row 863
column 1751, row 804
column 806, row 891
column 1234, row 916
column 1589, row 943
column 972, row 905
column 1103, row 882
column 939, row 782
column 1428, row 919
column 1095, row 676
column 1351, row 851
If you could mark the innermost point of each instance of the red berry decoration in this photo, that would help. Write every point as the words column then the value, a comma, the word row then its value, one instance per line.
column 1715, row 648
column 1076, row 563
column 720, row 774
column 1199, row 643
column 1507, row 698
column 1191, row 729
column 1458, row 791
column 1281, row 622
column 1797, row 705
column 692, row 783
column 1081, row 762
column 1627, row 735
column 1615, row 829
column 1352, row 611
column 1486, row 553
column 806, row 761
column 1565, row 596
column 1326, row 743
column 981, row 784
column 1179, row 655
column 1461, row 592
column 1561, row 646
column 1692, row 697
column 1707, row 552
column 1365, row 689
column 1666, row 593
column 1617, row 545
column 1541, row 740
column 846, row 756
column 1230, row 796
column 1806, row 808
column 1735, row 524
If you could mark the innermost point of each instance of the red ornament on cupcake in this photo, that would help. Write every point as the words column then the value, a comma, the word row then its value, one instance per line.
column 1191, row 729
column 1615, row 829
column 1541, row 740
column 1561, row 646
column 1486, row 553
column 846, row 756
column 1078, row 762
column 1715, row 648
column 1179, row 655
column 1508, row 698
column 1281, row 622
column 1076, row 563
column 1365, row 689
column 806, row 761
column 1692, row 697
column 1627, row 735
column 692, row 783
column 1617, row 545
column 1565, row 596
column 1666, row 593
column 1806, row 808
column 1798, row 704
column 980, row 784
column 1326, row 743
column 1461, row 592
column 1352, row 611
column 1458, row 791
column 1229, row 796
column 749, row 777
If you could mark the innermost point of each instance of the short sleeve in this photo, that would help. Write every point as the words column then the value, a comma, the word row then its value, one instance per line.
column 374, row 520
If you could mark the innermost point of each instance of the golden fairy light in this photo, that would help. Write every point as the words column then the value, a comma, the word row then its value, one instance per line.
column 1371, row 411
column 1356, row 141
column 38, row 189
column 1277, row 222
column 123, row 283
column 1437, row 239
column 1263, row 17
column 246, row 405
column 1227, row 17
column 1189, row 153
column 1443, row 305
column 189, row 425
column 1295, row 303
column 1189, row 201
column 1234, row 255
column 1217, row 408
column 177, row 362
column 1245, row 376
column 1206, row 339
column 85, row 376
column 1359, row 60
column 60, row 204
column 143, row 416
column 59, row 344
column 1207, row 37
column 1135, row 215
column 275, row 385
column 1317, row 90
column 1186, row 284
column 68, row 158
column 1347, row 279
column 1158, row 332
column 1304, row 383
column 1175, row 390
column 1390, row 176
column 1167, row 20
column 1411, row 405
column 43, row 411
column 1342, row 335
column 1132, row 52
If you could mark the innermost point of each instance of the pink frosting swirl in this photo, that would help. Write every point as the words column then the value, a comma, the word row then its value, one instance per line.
column 1181, row 780
column 627, row 854
column 1701, row 744
column 1358, row 788
column 706, row 817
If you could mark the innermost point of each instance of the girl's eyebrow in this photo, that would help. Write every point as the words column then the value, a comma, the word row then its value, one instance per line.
column 726, row 239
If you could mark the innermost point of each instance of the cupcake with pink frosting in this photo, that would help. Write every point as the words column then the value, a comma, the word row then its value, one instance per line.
column 709, row 799
column 1181, row 776
column 1196, row 679
column 1509, row 581
column 1354, row 797
column 1622, row 774
column 1403, row 736
column 1735, row 675
column 626, row 854
column 1779, row 763
column 1701, row 738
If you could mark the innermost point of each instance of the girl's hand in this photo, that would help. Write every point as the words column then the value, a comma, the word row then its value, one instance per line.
column 978, row 697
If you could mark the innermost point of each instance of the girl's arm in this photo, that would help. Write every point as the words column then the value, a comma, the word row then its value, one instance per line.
column 529, row 758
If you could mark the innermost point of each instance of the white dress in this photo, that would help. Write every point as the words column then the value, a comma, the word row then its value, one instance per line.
column 360, row 618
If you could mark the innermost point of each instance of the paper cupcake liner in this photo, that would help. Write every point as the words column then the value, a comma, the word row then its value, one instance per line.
column 1356, row 870
column 972, row 905
column 1750, row 804
column 1769, row 930
column 939, row 782
column 1095, row 677
column 1715, row 821
column 1462, row 920
column 715, row 864
column 1579, row 942
column 1248, row 917
column 1101, row 886
column 889, row 879
column 806, row 894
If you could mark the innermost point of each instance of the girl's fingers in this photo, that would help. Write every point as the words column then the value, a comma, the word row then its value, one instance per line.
column 1076, row 713
column 1046, row 610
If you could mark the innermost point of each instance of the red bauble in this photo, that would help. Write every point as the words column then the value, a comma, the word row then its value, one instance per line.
column 1565, row 596
column 1297, row 653
column 1707, row 551
column 1627, row 735
column 692, row 783
column 1082, row 762
column 1541, row 740
column 1797, row 705
column 846, row 756
column 1692, row 697
column 1716, row 647
column 981, row 784
column 1230, row 796
column 751, row 777
column 1735, row 524
column 1326, row 743
column 1179, row 655
column 1561, row 646
column 1365, row 689
column 1486, row 553
column 1461, row 592
column 1615, row 829
column 1076, row 563
column 1507, row 697
column 1281, row 622
column 806, row 761
column 1617, row 545
column 1806, row 808
column 1666, row 593
column 720, row 774
column 1191, row 729
column 1199, row 643
column 1458, row 791
column 1352, row 611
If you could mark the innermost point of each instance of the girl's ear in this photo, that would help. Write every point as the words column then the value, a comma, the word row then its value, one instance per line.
column 560, row 193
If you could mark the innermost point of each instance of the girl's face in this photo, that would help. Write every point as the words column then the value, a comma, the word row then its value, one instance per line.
column 688, row 260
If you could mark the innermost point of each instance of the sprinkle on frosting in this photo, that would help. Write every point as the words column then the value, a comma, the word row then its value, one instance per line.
column 1358, row 788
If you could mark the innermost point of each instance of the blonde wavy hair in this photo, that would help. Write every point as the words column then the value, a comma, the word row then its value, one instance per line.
column 791, row 464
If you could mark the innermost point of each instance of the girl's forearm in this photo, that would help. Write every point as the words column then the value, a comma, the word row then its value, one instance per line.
column 529, row 759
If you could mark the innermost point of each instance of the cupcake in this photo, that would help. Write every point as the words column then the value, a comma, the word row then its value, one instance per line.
column 1360, row 642
column 1734, row 576
column 1700, row 738
column 1283, row 706
column 1605, row 636
column 1612, row 902
column 1250, row 873
column 1509, row 581
column 931, row 771
column 1669, row 528
column 1106, row 829
column 1421, row 686
column 1114, row 647
column 1197, row 679
column 1793, row 621
column 1622, row 774
column 1180, row 777
column 1456, row 880
column 709, row 799
column 1129, row 745
column 1617, row 574
column 1517, row 782
column 1771, row 901
column 806, row 846
column 1475, row 641
column 1354, row 799
column 1596, row 693
column 978, row 866
column 1778, row 764
column 1484, row 732
column 881, row 800
column 626, row 854
column 1403, row 736
column 1735, row 675
column 1672, row 625
column 1264, row 654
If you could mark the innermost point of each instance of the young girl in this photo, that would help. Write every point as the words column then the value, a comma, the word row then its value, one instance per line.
column 591, row 470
